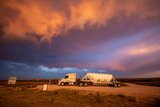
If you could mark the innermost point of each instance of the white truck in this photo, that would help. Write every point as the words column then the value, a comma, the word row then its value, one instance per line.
column 89, row 79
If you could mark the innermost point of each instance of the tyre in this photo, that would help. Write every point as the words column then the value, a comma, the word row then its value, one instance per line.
column 118, row 85
column 62, row 84
column 81, row 84
column 85, row 84
column 115, row 85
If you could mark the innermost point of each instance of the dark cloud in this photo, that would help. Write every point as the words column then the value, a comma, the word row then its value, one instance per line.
column 24, row 71
column 119, row 37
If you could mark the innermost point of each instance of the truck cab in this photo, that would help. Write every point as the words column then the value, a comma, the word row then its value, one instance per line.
column 69, row 79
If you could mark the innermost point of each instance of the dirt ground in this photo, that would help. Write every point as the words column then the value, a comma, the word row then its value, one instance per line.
column 130, row 90
column 71, row 96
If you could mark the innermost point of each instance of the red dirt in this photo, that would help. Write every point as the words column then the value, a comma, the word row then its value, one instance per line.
column 130, row 90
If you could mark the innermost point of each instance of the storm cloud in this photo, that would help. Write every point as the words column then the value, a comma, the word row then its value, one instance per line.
column 43, row 20
column 40, row 37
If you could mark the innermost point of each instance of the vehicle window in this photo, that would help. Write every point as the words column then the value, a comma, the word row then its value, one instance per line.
column 66, row 76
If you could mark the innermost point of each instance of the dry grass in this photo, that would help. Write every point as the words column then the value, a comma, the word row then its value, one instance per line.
column 24, row 97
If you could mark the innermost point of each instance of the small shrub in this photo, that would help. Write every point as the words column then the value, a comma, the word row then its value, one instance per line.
column 121, row 95
column 157, row 103
column 55, row 92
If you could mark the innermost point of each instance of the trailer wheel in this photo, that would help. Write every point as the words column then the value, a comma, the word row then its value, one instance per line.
column 85, row 84
column 81, row 84
column 118, row 85
column 115, row 85
column 62, row 84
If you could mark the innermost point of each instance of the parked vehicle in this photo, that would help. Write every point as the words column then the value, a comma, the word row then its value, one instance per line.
column 89, row 79
column 68, row 79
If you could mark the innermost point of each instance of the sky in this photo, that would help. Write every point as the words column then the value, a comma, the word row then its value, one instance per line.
column 50, row 38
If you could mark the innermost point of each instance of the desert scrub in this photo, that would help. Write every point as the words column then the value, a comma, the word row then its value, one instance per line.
column 10, row 97
column 91, row 98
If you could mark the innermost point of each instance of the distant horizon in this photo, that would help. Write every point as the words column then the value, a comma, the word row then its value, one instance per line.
column 78, row 78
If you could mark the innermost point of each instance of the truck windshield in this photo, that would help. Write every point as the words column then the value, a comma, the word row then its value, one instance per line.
column 66, row 76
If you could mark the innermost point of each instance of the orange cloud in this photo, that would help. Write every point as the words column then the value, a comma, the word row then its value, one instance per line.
column 140, row 49
column 92, row 12
column 32, row 17
column 48, row 19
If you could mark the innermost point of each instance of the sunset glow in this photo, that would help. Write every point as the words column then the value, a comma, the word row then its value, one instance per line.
column 43, row 38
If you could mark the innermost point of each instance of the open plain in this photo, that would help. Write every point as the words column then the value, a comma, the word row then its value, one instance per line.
column 132, row 89
column 130, row 95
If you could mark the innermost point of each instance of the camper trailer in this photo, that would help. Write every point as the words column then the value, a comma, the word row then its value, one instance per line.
column 90, row 79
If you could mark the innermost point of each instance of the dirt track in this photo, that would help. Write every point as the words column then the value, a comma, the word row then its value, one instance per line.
column 131, row 89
